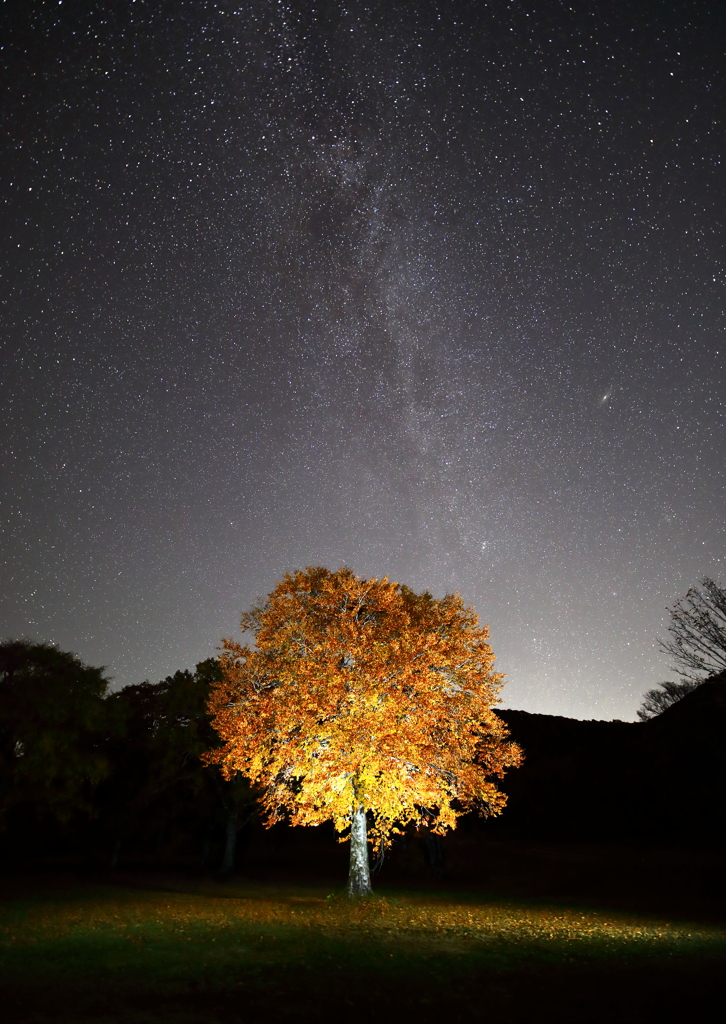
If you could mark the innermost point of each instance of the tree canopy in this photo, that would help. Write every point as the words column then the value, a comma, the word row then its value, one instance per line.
column 697, row 642
column 697, row 645
column 53, row 720
column 360, row 694
column 662, row 696
column 158, row 778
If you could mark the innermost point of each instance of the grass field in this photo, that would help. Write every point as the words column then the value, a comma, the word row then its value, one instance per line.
column 180, row 952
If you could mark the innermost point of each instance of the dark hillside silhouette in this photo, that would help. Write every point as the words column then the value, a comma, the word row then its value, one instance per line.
column 684, row 769
column 703, row 708
column 663, row 779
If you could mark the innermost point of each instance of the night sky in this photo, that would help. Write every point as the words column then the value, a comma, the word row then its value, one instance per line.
column 435, row 290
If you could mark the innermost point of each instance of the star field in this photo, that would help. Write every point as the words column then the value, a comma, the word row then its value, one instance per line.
column 435, row 290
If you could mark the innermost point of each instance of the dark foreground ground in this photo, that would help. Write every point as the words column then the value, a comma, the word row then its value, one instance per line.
column 545, row 934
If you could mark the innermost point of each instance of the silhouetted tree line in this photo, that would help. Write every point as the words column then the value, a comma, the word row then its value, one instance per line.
column 100, row 775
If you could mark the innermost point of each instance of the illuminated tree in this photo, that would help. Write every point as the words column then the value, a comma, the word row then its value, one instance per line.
column 361, row 698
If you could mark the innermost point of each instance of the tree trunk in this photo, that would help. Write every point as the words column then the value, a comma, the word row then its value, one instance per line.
column 359, row 878
column 160, row 836
column 116, row 855
column 433, row 853
column 230, row 842
column 120, row 829
column 207, row 844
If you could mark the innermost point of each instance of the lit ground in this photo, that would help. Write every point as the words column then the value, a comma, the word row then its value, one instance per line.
column 184, row 952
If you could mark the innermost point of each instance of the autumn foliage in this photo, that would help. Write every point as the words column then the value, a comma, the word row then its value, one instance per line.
column 360, row 693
